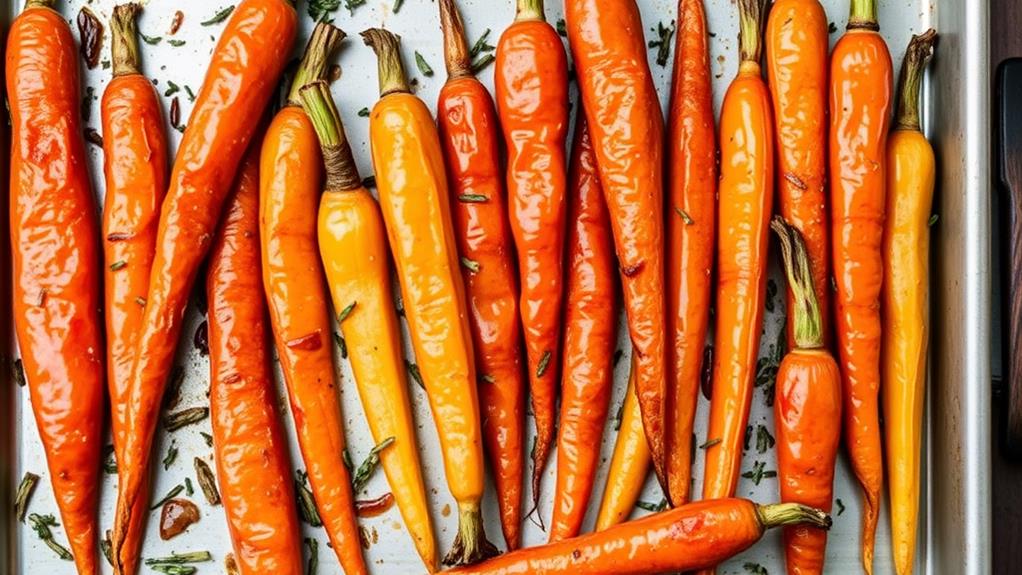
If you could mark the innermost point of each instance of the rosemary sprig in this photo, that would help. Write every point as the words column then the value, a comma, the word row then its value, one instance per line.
column 25, row 490
column 41, row 524
column 170, row 495
column 218, row 17
column 372, row 461
column 306, row 503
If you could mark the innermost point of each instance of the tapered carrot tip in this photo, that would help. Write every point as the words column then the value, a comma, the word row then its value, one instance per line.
column 470, row 545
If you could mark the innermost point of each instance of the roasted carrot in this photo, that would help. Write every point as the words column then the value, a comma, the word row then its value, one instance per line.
column 135, row 165
column 246, row 64
column 689, row 537
column 629, row 465
column 531, row 83
column 746, row 198
column 470, row 134
column 906, row 250
column 796, row 50
column 410, row 176
column 808, row 403
column 691, row 227
column 860, row 110
column 590, row 335
column 249, row 444
column 626, row 124
column 290, row 183
column 353, row 246
column 55, row 266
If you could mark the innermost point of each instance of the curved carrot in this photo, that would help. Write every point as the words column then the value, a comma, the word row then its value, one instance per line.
column 626, row 124
column 414, row 199
column 796, row 49
column 531, row 84
column 691, row 228
column 135, row 165
column 248, row 60
column 353, row 246
column 249, row 444
column 290, row 183
column 689, row 537
column 910, row 181
column 470, row 134
column 860, row 110
column 808, row 405
column 56, row 259
column 590, row 335
column 746, row 197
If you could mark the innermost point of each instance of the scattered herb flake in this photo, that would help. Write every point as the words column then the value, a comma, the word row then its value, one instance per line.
column 617, row 418
column 170, row 495
column 106, row 547
column 481, row 45
column 118, row 265
column 544, row 363
column 840, row 506
column 653, row 507
column 181, row 558
column 151, row 40
column 313, row 564
column 755, row 568
column 663, row 42
column 759, row 472
column 176, row 43
column 168, row 460
column 470, row 265
column 473, row 199
column 189, row 490
column 188, row 91
column 218, row 17
column 562, row 28
column 346, row 312
column 109, row 460
column 25, row 490
column 423, row 66
column 748, row 437
column 372, row 461
column 41, row 524
column 185, row 417
column 364, row 112
column 764, row 441
column 207, row 481
column 684, row 216
column 481, row 63
column 19, row 372
column 306, row 502
column 172, row 89
column 710, row 443
column 397, row 6
column 933, row 220
column 413, row 370
column 342, row 344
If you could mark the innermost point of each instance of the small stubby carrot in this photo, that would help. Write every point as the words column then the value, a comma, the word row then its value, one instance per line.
column 249, row 444
column 531, row 85
column 246, row 64
column 691, row 229
column 135, row 167
column 689, row 537
column 629, row 465
column 911, row 175
column 412, row 184
column 470, row 134
column 353, row 248
column 54, row 231
column 746, row 200
column 797, row 42
column 626, row 124
column 860, row 111
column 590, row 335
column 290, row 184
column 808, row 403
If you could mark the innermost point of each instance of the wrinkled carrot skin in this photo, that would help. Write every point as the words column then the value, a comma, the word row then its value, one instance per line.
column 796, row 44
column 470, row 135
column 626, row 124
column 691, row 228
column 249, row 445
column 860, row 110
column 531, row 89
column 135, row 167
column 590, row 336
column 629, row 465
column 56, row 275
column 246, row 64
column 290, row 182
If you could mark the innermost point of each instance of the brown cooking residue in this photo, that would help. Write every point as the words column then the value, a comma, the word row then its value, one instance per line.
column 374, row 507
column 363, row 537
column 231, row 565
column 90, row 29
column 446, row 511
column 176, row 517
column 175, row 24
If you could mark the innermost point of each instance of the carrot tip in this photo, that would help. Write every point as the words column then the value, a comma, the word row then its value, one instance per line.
column 470, row 545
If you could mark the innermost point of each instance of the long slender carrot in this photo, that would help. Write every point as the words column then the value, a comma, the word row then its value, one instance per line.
column 626, row 124
column 860, row 110
column 248, row 60
column 689, row 537
column 135, row 165
column 590, row 335
column 249, row 445
column 290, row 183
column 691, row 228
column 796, row 50
column 746, row 197
column 56, row 259
column 353, row 246
column 470, row 133
column 906, row 304
column 531, row 82
column 807, row 406
column 414, row 195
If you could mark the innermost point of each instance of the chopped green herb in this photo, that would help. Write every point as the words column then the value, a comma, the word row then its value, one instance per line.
column 346, row 312
column 25, row 490
column 663, row 42
column 173, row 89
column 346, row 460
column 684, row 216
column 151, row 40
column 19, row 372
column 423, row 66
column 617, row 418
column 840, row 506
column 397, row 6
column 473, row 198
column 118, row 265
column 176, row 43
column 109, row 460
column 170, row 495
column 364, row 112
column 481, row 45
column 748, row 437
column 470, row 265
column 313, row 546
column 764, row 441
column 207, row 481
column 480, row 64
column 207, row 437
column 106, row 548
column 933, row 220
column 188, row 91
column 41, row 524
column 350, row 5
column 181, row 558
column 767, row 366
column 189, row 490
column 562, row 27
column 759, row 473
column 710, row 443
column 831, row 27
column 185, row 417
column 544, row 363
column 365, row 471
column 653, row 507
column 168, row 460
column 342, row 344
column 218, row 17
column 755, row 568
column 319, row 9
column 413, row 370
column 306, row 502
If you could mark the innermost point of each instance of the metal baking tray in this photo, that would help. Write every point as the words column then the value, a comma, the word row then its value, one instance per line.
column 955, row 533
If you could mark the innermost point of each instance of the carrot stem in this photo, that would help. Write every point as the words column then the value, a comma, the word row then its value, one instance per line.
column 779, row 514
column 750, row 38
column 470, row 545
column 341, row 171
column 38, row 4
column 920, row 49
column 124, row 43
column 808, row 321
column 863, row 15
column 392, row 72
column 530, row 10
column 456, row 52
column 325, row 40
